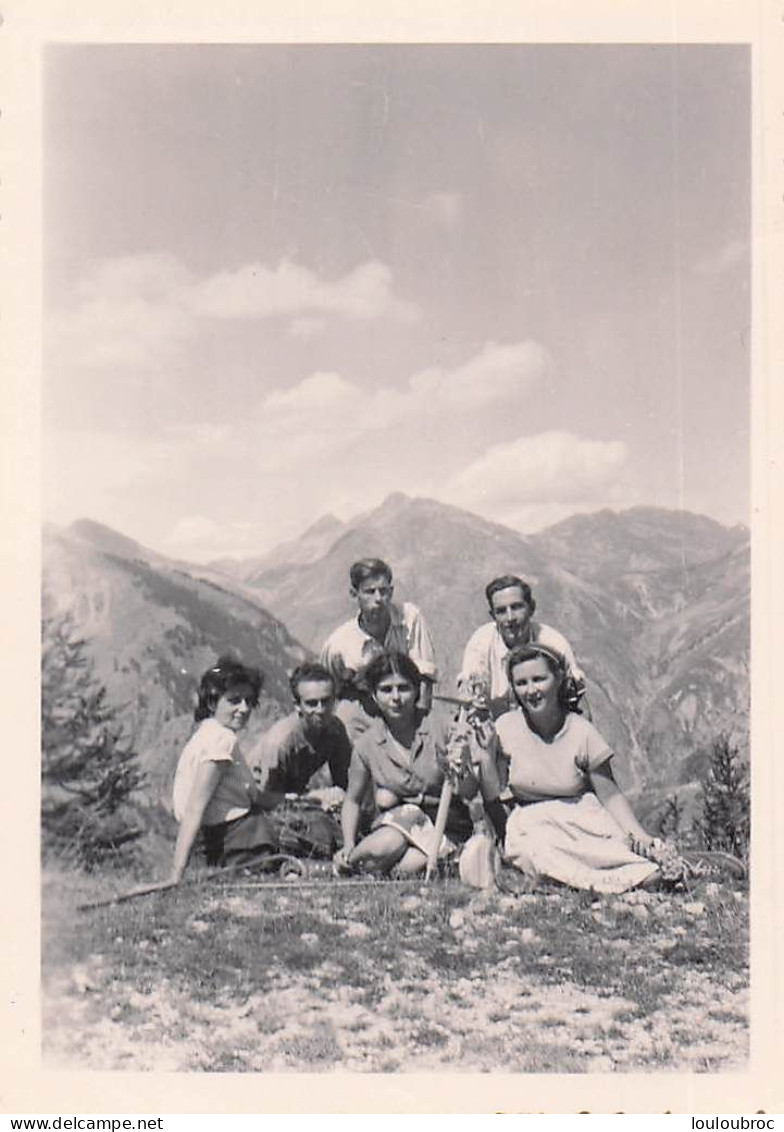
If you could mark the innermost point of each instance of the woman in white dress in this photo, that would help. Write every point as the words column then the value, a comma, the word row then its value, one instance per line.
column 571, row 821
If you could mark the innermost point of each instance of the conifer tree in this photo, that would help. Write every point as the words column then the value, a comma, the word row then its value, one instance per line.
column 725, row 822
column 88, row 775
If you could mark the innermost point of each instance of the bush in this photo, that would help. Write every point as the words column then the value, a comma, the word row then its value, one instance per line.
column 88, row 775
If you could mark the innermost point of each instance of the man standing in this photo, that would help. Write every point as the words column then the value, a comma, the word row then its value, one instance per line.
column 512, row 607
column 379, row 626
column 288, row 755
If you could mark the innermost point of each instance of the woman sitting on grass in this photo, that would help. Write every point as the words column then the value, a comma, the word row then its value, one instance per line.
column 403, row 756
column 214, row 791
column 571, row 822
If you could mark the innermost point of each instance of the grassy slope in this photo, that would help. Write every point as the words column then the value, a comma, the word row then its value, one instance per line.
column 394, row 977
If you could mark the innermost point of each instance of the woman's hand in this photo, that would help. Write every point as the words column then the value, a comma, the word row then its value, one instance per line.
column 330, row 798
column 482, row 730
column 478, row 693
column 341, row 862
column 645, row 845
column 672, row 867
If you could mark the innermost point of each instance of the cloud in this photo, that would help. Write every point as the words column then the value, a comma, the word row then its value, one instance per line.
column 257, row 291
column 323, row 443
column 495, row 372
column 325, row 413
column 445, row 209
column 307, row 326
column 202, row 434
column 534, row 480
column 140, row 312
column 93, row 472
column 130, row 312
column 314, row 394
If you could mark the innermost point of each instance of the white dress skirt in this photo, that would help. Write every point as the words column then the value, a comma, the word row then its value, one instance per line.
column 574, row 841
column 416, row 827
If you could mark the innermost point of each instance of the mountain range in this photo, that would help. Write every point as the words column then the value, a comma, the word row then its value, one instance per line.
column 654, row 602
column 152, row 628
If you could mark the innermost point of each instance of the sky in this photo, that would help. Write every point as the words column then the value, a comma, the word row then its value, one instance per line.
column 287, row 281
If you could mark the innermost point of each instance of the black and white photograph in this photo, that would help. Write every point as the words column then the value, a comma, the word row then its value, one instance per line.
column 396, row 434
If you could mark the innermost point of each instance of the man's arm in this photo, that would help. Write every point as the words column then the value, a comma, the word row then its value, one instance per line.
column 475, row 659
column 585, row 708
column 339, row 756
column 332, row 656
column 420, row 643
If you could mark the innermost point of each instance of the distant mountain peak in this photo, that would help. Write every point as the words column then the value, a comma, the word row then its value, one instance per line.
column 638, row 539
column 646, row 513
column 421, row 509
column 314, row 542
column 324, row 525
column 394, row 502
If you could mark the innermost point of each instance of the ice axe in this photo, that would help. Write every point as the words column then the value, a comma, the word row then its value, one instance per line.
column 452, row 700
column 444, row 802
column 476, row 708
column 453, row 772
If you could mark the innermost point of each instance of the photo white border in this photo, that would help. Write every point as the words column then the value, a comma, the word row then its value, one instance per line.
column 27, row 26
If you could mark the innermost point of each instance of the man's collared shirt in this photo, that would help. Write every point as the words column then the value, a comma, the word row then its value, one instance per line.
column 485, row 656
column 286, row 757
column 349, row 650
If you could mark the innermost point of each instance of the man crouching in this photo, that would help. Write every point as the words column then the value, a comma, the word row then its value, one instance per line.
column 309, row 740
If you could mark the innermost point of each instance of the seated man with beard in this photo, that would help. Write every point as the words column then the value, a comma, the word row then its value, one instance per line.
column 309, row 740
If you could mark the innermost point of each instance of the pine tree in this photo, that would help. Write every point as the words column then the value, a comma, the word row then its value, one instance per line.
column 87, row 774
column 725, row 820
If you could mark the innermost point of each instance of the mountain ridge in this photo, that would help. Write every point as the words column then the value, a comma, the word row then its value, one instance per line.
column 151, row 629
column 654, row 602
column 643, row 596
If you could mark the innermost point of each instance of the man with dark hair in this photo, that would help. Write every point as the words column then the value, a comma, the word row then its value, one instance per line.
column 511, row 604
column 286, row 758
column 379, row 626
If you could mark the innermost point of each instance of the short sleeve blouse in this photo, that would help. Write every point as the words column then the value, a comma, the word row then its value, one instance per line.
column 212, row 742
column 406, row 773
column 555, row 769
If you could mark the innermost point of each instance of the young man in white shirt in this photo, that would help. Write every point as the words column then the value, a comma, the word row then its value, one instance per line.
column 379, row 626
column 512, row 605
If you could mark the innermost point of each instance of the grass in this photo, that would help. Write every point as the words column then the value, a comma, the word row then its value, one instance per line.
column 393, row 977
